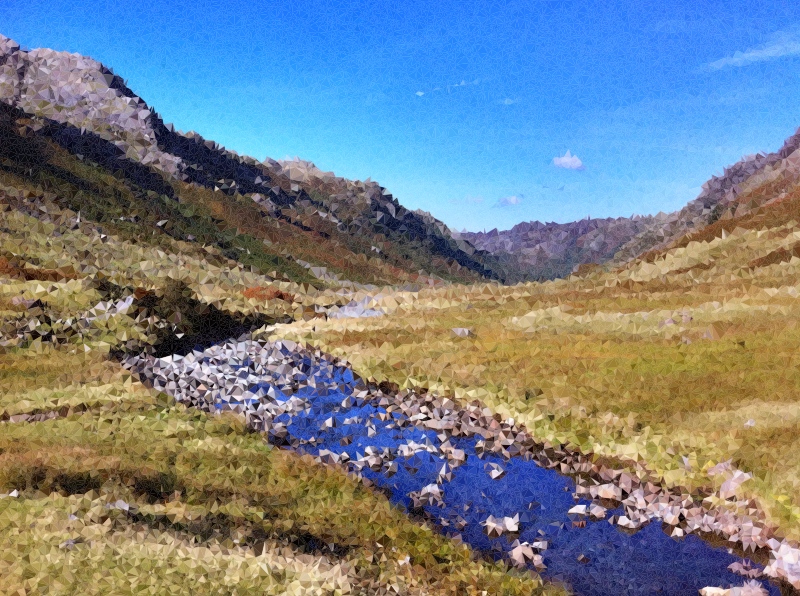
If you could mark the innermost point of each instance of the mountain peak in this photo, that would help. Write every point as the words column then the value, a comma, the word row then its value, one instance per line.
column 7, row 46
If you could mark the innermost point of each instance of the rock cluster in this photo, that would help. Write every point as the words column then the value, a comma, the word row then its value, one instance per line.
column 495, row 527
column 523, row 553
column 748, row 589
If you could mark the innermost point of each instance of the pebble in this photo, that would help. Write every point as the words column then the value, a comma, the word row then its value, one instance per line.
column 494, row 527
column 523, row 553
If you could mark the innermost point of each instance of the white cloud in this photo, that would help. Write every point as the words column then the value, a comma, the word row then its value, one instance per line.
column 570, row 162
column 448, row 87
column 780, row 43
column 509, row 201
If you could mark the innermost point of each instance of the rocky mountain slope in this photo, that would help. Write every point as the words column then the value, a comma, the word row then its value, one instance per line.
column 77, row 104
column 551, row 250
column 77, row 141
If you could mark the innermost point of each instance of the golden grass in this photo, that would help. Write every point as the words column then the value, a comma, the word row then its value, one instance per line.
column 662, row 361
column 611, row 362
column 214, row 507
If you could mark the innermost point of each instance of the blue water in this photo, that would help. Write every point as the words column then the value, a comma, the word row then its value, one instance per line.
column 647, row 562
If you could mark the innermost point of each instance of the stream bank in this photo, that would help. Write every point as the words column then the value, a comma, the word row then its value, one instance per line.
column 479, row 479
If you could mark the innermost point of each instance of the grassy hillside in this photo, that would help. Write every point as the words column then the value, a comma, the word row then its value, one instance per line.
column 99, row 120
column 234, row 226
column 667, row 364
column 117, row 487
column 549, row 251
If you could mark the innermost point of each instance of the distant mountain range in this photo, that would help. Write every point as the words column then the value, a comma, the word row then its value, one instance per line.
column 287, row 217
column 551, row 250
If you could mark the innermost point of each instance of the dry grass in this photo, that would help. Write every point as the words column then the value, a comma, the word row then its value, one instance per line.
column 213, row 507
column 611, row 362
column 662, row 362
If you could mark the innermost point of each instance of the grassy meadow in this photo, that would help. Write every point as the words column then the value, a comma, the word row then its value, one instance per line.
column 211, row 508
column 668, row 366
column 122, row 491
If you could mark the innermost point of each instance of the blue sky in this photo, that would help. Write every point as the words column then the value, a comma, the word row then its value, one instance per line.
column 459, row 108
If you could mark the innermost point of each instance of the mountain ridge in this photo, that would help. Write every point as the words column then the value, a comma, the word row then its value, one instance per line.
column 90, row 111
column 81, row 93
column 552, row 250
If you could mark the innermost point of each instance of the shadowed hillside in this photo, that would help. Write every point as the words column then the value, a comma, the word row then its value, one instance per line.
column 83, row 107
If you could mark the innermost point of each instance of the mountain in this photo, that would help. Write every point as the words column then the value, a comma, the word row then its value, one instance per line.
column 551, row 250
column 336, row 229
column 676, row 364
column 288, row 217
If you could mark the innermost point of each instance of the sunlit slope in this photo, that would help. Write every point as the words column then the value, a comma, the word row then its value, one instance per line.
column 234, row 227
column 76, row 234
column 679, row 361
column 551, row 250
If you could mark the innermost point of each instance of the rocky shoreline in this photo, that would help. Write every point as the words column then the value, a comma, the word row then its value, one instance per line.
column 227, row 377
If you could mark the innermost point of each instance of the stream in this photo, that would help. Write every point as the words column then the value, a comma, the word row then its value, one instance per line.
column 498, row 505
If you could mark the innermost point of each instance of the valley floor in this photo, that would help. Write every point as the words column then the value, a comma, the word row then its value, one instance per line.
column 683, row 371
column 118, row 489
column 481, row 480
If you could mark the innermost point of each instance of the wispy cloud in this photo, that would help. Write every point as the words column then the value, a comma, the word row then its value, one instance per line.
column 449, row 87
column 509, row 201
column 779, row 44
column 375, row 98
column 568, row 161
column 468, row 200
column 507, row 101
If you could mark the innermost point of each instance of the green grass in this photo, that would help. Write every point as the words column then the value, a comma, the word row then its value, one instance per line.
column 209, row 496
